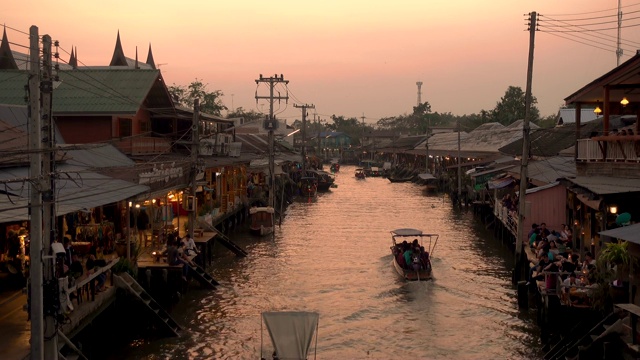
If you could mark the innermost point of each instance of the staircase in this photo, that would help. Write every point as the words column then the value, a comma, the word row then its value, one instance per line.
column 202, row 276
column 570, row 346
column 224, row 240
column 125, row 281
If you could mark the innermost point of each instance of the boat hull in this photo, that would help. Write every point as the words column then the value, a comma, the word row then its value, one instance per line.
column 410, row 275
column 261, row 231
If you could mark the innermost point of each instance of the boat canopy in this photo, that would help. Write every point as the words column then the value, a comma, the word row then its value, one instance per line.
column 426, row 176
column 409, row 232
column 291, row 332
column 256, row 209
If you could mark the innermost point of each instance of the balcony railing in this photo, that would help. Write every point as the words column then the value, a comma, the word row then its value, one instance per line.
column 616, row 148
column 144, row 145
column 507, row 218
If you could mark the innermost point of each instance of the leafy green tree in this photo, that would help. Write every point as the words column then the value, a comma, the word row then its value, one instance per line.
column 511, row 107
column 248, row 116
column 210, row 102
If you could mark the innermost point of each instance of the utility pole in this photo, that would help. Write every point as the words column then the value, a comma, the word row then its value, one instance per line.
column 270, row 124
column 49, row 216
column 195, row 132
column 362, row 140
column 525, row 154
column 304, row 132
column 426, row 145
column 619, row 49
column 459, row 166
column 35, row 174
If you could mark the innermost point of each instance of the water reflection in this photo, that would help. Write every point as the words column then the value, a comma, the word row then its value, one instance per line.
column 332, row 256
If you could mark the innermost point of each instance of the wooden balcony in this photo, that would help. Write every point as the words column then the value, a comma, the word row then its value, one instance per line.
column 144, row 145
column 611, row 148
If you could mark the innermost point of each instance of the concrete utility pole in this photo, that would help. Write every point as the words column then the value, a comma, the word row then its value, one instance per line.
column 519, row 266
column 459, row 165
column 304, row 131
column 619, row 49
column 272, row 81
column 195, row 147
column 49, row 214
column 35, row 174
column 362, row 140
column 419, row 83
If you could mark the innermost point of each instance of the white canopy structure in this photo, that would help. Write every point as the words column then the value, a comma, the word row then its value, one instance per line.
column 291, row 332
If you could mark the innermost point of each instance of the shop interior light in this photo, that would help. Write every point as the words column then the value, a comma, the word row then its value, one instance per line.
column 624, row 101
column 613, row 209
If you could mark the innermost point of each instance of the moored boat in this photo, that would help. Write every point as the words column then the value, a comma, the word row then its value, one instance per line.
column 324, row 180
column 261, row 220
column 412, row 259
column 397, row 179
column 308, row 187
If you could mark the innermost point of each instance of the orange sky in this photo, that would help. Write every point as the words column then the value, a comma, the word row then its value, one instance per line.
column 348, row 57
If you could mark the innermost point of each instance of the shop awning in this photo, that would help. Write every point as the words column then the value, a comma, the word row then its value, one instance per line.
column 500, row 183
column 629, row 233
column 75, row 190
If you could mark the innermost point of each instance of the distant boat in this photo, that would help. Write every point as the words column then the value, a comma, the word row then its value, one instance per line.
column 324, row 180
column 360, row 174
column 261, row 220
column 420, row 266
column 429, row 180
column 308, row 187
column 335, row 166
column 291, row 334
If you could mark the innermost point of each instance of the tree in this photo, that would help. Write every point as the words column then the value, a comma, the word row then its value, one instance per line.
column 511, row 107
column 210, row 102
column 248, row 116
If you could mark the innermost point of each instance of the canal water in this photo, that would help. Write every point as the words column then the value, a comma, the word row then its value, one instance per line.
column 332, row 256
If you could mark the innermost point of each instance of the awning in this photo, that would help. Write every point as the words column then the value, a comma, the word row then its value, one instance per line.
column 500, row 183
column 594, row 204
column 426, row 176
column 629, row 233
column 74, row 191
column 291, row 332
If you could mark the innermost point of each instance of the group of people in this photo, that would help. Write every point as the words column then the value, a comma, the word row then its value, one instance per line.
column 412, row 256
column 179, row 252
column 555, row 258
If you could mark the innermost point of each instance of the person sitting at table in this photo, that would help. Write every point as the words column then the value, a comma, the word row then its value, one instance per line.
column 190, row 248
column 571, row 282
column 174, row 257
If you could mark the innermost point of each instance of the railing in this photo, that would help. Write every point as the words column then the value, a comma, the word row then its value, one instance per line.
column 502, row 213
column 143, row 145
column 88, row 280
column 618, row 149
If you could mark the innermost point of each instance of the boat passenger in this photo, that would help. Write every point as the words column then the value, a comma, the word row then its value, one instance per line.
column 424, row 256
column 408, row 252
column 415, row 259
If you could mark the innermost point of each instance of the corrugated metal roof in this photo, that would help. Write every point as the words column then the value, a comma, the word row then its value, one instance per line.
column 605, row 185
column 549, row 170
column 629, row 233
column 568, row 116
column 75, row 190
column 94, row 156
column 540, row 188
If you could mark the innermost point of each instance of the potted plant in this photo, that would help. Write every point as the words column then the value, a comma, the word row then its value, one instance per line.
column 614, row 260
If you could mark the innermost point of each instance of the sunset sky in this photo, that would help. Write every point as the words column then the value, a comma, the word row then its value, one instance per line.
column 348, row 57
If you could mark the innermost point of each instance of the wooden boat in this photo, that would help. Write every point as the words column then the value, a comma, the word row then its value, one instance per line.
column 395, row 179
column 335, row 166
column 420, row 268
column 308, row 187
column 324, row 180
column 261, row 220
column 429, row 180
column 360, row 174
column 291, row 334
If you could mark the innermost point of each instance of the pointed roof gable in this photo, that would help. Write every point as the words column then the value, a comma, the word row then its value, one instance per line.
column 73, row 61
column 150, row 60
column 118, row 58
column 7, row 62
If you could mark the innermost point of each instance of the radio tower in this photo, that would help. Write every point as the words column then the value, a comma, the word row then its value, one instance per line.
column 419, row 83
